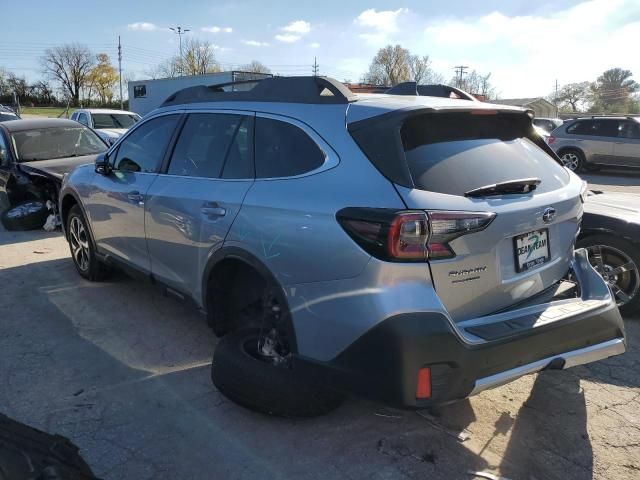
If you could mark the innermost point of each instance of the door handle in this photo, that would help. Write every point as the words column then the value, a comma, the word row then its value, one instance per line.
column 136, row 197
column 213, row 210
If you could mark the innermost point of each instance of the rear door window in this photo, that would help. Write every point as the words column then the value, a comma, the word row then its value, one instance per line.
column 455, row 153
column 284, row 150
column 204, row 143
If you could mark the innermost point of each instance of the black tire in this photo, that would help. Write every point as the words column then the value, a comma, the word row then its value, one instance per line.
column 265, row 387
column 86, row 262
column 29, row 215
column 612, row 252
column 572, row 159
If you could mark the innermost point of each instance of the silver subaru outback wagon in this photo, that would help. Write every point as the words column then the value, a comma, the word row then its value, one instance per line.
column 412, row 249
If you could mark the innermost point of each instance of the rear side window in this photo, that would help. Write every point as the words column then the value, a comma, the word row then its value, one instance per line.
column 144, row 148
column 596, row 128
column 629, row 129
column 455, row 153
column 205, row 142
column 284, row 150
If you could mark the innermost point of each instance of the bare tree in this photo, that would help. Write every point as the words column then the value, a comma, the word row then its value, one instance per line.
column 43, row 92
column 69, row 65
column 572, row 96
column 476, row 84
column 421, row 71
column 198, row 58
column 255, row 67
column 390, row 66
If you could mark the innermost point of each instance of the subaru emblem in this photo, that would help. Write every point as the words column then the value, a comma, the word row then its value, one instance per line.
column 549, row 214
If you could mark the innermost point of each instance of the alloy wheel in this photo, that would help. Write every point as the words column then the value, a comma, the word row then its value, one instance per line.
column 618, row 270
column 571, row 161
column 79, row 243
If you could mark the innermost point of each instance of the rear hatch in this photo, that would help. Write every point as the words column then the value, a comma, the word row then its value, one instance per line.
column 503, row 213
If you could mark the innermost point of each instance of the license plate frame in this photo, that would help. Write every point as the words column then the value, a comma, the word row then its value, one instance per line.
column 526, row 264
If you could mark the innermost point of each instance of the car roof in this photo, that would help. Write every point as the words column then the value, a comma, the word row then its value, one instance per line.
column 607, row 117
column 104, row 110
column 35, row 123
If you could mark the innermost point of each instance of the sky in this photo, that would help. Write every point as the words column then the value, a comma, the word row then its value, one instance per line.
column 526, row 45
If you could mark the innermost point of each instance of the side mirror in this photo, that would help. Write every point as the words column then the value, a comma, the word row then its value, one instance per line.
column 102, row 164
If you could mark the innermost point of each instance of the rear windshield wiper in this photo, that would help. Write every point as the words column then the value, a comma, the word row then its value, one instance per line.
column 522, row 185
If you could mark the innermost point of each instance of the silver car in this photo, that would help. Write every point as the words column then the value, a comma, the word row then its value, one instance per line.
column 416, row 250
column 595, row 142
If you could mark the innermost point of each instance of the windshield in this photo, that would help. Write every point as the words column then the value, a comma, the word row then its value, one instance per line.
column 56, row 142
column 114, row 120
column 4, row 116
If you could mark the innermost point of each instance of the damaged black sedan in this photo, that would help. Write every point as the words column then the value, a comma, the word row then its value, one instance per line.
column 34, row 156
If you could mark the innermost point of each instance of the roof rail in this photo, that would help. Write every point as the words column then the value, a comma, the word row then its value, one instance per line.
column 314, row 90
column 436, row 90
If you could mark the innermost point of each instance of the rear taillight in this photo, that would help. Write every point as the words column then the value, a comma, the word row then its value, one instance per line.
column 409, row 235
column 551, row 139
column 447, row 226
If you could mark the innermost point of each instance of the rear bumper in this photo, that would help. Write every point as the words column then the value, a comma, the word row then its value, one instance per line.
column 383, row 363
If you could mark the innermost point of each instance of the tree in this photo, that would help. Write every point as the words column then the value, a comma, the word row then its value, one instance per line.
column 18, row 85
column 421, row 71
column 255, row 67
column 476, row 84
column 390, row 66
column 198, row 58
column 103, row 77
column 572, row 96
column 43, row 92
column 69, row 65
column 613, row 89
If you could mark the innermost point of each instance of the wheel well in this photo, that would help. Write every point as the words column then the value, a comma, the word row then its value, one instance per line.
column 233, row 287
column 571, row 149
column 67, row 204
column 236, row 292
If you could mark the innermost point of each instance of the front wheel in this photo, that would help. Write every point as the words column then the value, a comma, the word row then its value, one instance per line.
column 618, row 262
column 82, row 248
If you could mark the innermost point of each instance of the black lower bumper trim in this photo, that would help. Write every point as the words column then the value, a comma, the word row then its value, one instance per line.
column 383, row 363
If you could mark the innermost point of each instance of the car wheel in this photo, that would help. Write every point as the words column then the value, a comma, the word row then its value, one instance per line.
column 572, row 159
column 247, row 370
column 82, row 248
column 29, row 215
column 618, row 262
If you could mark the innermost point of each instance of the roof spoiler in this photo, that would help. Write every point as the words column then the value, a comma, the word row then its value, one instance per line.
column 314, row 90
column 437, row 90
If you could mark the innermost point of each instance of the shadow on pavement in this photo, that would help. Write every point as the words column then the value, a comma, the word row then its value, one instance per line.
column 549, row 438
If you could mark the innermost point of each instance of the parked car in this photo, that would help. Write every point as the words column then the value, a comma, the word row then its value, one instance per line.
column 542, row 132
column 591, row 143
column 7, row 113
column 109, row 124
column 34, row 156
column 548, row 124
column 611, row 234
column 417, row 256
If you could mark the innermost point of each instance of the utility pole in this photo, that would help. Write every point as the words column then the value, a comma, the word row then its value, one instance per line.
column 555, row 99
column 460, row 71
column 315, row 67
column 180, row 31
column 120, row 71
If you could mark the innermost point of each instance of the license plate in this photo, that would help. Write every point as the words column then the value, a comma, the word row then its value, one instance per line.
column 531, row 249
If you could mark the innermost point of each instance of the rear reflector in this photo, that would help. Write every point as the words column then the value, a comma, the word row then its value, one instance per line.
column 423, row 386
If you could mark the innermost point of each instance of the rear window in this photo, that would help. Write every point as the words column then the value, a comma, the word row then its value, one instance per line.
column 455, row 153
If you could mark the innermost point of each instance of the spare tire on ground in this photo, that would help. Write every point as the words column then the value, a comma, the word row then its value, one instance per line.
column 29, row 215
column 276, row 389
column 27, row 453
